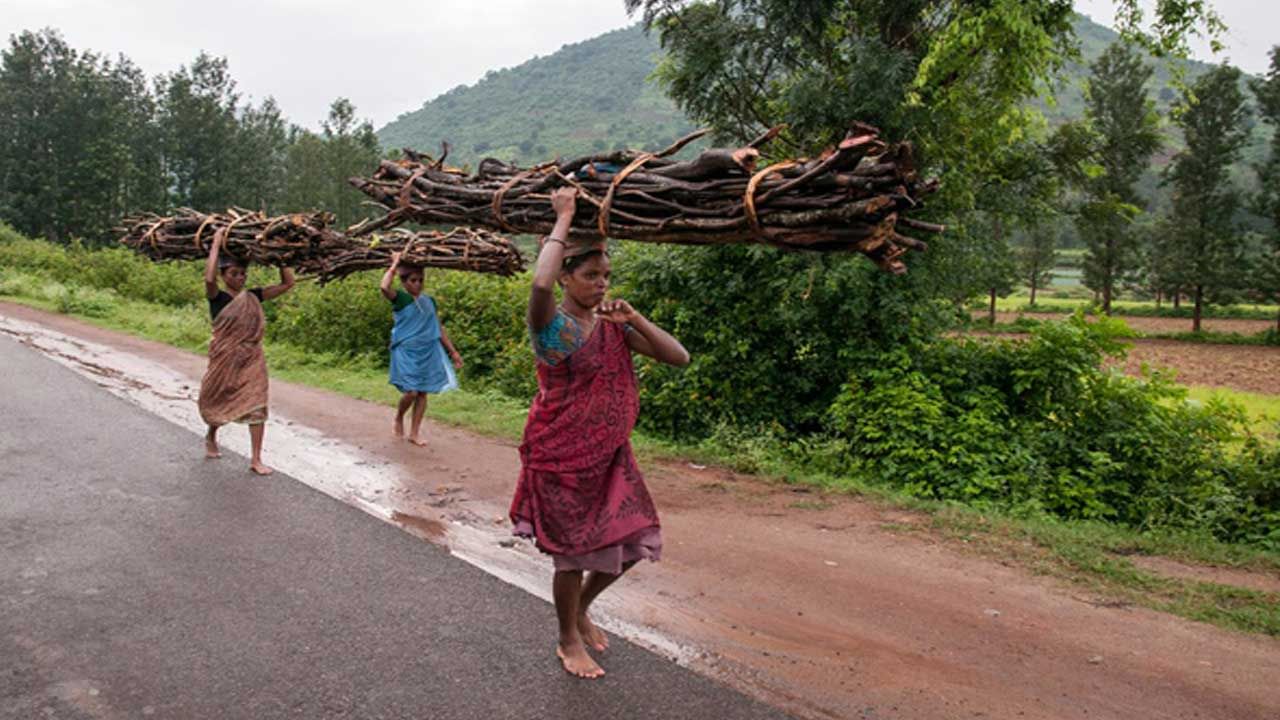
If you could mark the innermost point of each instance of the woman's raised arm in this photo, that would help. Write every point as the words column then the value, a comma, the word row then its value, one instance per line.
column 542, row 297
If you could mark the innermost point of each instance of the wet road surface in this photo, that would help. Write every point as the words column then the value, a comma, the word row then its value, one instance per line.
column 137, row 580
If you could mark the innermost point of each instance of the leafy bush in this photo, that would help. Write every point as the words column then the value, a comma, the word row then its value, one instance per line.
column 484, row 316
column 770, row 335
column 1041, row 424
column 88, row 302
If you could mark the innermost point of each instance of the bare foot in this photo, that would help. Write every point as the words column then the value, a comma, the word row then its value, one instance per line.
column 211, row 450
column 592, row 636
column 417, row 441
column 399, row 431
column 577, row 662
column 260, row 469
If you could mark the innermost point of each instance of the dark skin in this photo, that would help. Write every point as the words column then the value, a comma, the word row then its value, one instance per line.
column 412, row 284
column 584, row 298
column 233, row 277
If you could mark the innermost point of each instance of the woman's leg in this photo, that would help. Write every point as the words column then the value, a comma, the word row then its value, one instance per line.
column 256, row 431
column 566, row 589
column 406, row 400
column 419, row 409
column 211, row 443
column 596, row 583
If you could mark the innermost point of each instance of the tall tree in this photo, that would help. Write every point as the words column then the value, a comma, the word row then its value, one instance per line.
column 76, row 145
column 1266, row 274
column 261, row 146
column 1036, row 253
column 318, row 164
column 351, row 149
column 920, row 70
column 1121, row 132
column 198, row 124
column 1020, row 192
column 1209, row 246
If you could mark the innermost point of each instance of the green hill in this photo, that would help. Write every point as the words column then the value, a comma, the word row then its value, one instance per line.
column 595, row 95
column 589, row 96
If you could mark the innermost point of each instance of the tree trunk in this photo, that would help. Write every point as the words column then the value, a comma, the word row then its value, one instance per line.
column 991, row 315
column 1177, row 300
column 1278, row 323
column 1033, row 290
column 1109, row 279
column 1159, row 297
column 1195, row 322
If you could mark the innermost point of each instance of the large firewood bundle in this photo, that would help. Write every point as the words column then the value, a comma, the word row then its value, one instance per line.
column 307, row 243
column 854, row 197
column 285, row 240
column 456, row 249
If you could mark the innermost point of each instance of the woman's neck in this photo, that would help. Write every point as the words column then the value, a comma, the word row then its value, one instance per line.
column 580, row 312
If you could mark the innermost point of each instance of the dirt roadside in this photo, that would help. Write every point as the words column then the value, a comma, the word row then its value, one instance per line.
column 814, row 606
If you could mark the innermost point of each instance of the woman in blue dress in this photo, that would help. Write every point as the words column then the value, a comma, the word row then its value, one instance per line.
column 419, row 344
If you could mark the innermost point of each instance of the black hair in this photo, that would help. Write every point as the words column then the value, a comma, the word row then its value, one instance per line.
column 230, row 261
column 405, row 271
column 574, row 262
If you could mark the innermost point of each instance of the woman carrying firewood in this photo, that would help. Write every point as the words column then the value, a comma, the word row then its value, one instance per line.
column 234, row 388
column 418, row 346
column 580, row 494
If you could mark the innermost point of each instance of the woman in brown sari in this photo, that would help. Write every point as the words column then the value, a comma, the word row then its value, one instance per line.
column 581, row 495
column 234, row 388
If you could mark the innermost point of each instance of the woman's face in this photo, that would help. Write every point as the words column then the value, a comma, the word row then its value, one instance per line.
column 412, row 283
column 234, row 277
column 588, row 282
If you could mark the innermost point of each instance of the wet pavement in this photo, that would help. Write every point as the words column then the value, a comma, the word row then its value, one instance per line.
column 137, row 580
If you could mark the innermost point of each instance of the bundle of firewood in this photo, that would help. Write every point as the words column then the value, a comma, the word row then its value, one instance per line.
column 855, row 197
column 456, row 249
column 285, row 240
column 306, row 243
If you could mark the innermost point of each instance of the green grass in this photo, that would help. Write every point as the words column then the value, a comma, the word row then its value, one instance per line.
column 1092, row 556
column 1046, row 302
column 1206, row 337
column 1263, row 411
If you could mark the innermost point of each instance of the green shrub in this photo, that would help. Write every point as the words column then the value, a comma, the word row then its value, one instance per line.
column 88, row 302
column 135, row 277
column 348, row 318
column 484, row 316
column 770, row 340
column 1042, row 424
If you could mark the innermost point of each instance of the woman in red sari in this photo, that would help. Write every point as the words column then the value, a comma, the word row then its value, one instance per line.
column 581, row 495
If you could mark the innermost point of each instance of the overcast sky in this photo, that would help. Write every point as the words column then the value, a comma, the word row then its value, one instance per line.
column 388, row 56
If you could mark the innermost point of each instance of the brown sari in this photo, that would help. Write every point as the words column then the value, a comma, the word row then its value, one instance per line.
column 234, row 388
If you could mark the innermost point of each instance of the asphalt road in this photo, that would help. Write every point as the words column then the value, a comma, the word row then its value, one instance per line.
column 139, row 581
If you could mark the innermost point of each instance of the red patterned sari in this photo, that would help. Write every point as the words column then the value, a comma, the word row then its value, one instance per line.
column 580, row 494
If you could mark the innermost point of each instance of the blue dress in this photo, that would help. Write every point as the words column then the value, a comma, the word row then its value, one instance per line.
column 418, row 361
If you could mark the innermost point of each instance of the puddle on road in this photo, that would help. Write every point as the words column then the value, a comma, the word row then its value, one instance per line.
column 336, row 469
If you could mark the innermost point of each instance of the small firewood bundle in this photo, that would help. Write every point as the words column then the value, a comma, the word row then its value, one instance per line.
column 854, row 197
column 284, row 240
column 457, row 249
column 306, row 243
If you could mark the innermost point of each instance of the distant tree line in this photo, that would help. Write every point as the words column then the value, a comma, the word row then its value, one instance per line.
column 85, row 138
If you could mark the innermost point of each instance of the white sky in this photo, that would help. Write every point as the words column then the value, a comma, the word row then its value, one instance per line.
column 390, row 56
column 1253, row 27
